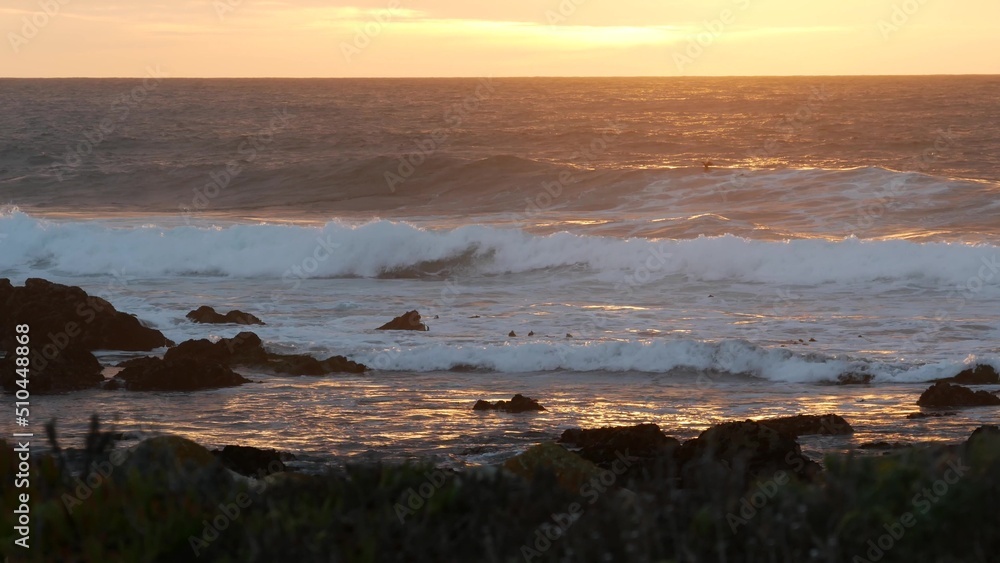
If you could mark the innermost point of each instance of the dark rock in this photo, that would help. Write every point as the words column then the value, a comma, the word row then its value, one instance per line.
column 943, row 394
column 206, row 314
column 519, row 403
column 171, row 464
column 978, row 375
column 301, row 364
column 252, row 462
column 531, row 333
column 185, row 374
column 747, row 449
column 916, row 415
column 61, row 316
column 571, row 472
column 988, row 435
column 113, row 384
column 805, row 424
column 244, row 348
column 406, row 321
column 247, row 349
column 603, row 445
column 854, row 378
column 511, row 334
column 72, row 369
column 568, row 335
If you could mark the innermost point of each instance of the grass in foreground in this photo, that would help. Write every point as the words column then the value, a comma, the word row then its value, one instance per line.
column 168, row 500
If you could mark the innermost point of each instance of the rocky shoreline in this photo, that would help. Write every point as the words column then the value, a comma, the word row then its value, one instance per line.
column 744, row 489
column 74, row 324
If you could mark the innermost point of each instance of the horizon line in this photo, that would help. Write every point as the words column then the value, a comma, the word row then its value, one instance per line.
column 500, row 77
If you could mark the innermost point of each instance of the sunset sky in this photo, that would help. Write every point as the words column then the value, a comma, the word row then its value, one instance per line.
column 308, row 38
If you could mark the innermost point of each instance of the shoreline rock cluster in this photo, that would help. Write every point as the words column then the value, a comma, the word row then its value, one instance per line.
column 67, row 325
column 202, row 364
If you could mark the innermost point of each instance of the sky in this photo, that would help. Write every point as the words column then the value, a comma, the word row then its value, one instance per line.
column 417, row 38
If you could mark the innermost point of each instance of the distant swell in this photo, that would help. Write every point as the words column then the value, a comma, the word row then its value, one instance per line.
column 391, row 249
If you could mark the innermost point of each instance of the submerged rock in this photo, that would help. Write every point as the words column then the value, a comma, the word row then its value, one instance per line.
column 72, row 369
column 854, row 378
column 61, row 316
column 979, row 375
column 519, row 403
column 603, row 445
column 185, row 374
column 805, row 424
column 208, row 315
column 407, row 321
column 943, row 394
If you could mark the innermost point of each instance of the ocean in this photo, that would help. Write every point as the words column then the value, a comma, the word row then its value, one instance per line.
column 683, row 251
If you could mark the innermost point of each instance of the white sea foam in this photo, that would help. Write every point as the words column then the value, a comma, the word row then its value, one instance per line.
column 737, row 357
column 383, row 248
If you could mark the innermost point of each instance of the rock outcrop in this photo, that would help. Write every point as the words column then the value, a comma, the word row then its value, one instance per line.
column 246, row 349
column 185, row 374
column 71, row 369
column 603, row 445
column 943, row 394
column 750, row 448
column 978, row 375
column 208, row 315
column 806, row 424
column 407, row 321
column 519, row 403
column 63, row 316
